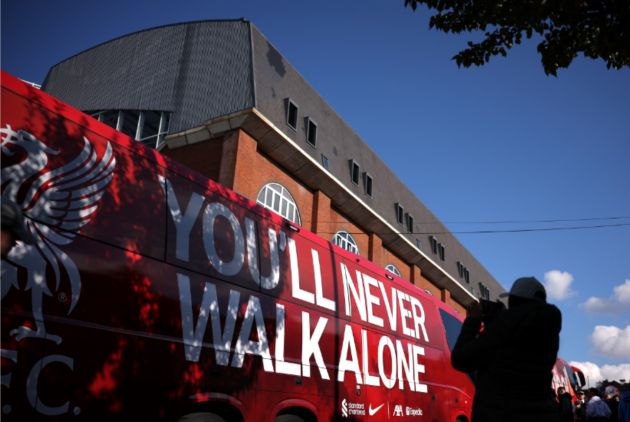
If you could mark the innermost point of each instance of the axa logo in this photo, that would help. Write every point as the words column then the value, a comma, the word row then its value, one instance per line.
column 57, row 203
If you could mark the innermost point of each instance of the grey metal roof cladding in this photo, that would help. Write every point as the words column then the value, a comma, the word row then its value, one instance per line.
column 208, row 69
column 195, row 70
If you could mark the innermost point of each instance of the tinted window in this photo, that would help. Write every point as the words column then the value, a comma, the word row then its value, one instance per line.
column 452, row 326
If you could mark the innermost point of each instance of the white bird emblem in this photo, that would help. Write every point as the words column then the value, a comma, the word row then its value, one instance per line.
column 56, row 204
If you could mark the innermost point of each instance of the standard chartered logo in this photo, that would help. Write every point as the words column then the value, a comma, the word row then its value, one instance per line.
column 352, row 409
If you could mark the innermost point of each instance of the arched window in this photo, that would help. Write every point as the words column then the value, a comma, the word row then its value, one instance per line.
column 277, row 198
column 345, row 241
column 392, row 269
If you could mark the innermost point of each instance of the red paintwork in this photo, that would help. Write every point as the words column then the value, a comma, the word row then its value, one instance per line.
column 564, row 375
column 122, row 343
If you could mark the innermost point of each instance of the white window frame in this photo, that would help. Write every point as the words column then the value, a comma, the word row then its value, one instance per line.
column 393, row 269
column 278, row 199
column 344, row 240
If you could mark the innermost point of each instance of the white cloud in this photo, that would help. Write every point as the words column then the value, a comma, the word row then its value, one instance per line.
column 594, row 373
column 617, row 303
column 558, row 284
column 622, row 292
column 600, row 306
column 612, row 341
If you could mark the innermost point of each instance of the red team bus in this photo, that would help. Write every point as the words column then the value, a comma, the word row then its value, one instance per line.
column 569, row 377
column 153, row 293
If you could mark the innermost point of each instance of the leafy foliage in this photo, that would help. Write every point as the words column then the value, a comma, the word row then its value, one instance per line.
column 595, row 28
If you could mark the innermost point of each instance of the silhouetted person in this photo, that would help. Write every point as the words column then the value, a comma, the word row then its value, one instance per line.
column 596, row 408
column 13, row 228
column 611, row 398
column 624, row 403
column 580, row 407
column 565, row 405
column 512, row 356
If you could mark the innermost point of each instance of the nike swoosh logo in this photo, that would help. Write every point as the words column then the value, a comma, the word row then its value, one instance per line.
column 371, row 411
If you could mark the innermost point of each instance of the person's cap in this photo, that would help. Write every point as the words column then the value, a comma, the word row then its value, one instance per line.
column 527, row 288
column 13, row 220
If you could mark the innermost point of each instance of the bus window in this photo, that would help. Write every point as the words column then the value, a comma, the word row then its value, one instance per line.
column 452, row 326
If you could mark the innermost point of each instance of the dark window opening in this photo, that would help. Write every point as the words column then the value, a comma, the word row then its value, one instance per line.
column 292, row 114
column 400, row 213
column 409, row 221
column 355, row 172
column 442, row 252
column 367, row 180
column 434, row 244
column 109, row 117
column 484, row 292
column 151, row 125
column 463, row 272
column 311, row 132
column 130, row 123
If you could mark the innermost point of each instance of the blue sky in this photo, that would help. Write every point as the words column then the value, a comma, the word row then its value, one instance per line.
column 498, row 143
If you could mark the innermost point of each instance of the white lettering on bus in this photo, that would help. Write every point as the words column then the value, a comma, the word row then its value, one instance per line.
column 404, row 363
column 296, row 291
column 369, row 379
column 418, row 369
column 210, row 214
column 319, row 289
column 266, row 282
column 245, row 346
column 362, row 294
column 355, row 289
column 418, row 318
column 390, row 306
column 193, row 335
column 351, row 363
column 373, row 300
column 404, row 313
column 282, row 367
column 388, row 381
column 310, row 346
column 183, row 221
column 31, row 385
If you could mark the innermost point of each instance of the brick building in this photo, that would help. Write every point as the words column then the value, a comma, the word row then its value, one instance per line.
column 217, row 96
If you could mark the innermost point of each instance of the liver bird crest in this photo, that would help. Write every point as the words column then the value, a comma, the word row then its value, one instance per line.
column 56, row 203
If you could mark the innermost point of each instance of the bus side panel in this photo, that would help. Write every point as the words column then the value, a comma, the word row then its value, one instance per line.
column 403, row 363
column 51, row 156
column 288, row 282
column 110, row 350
